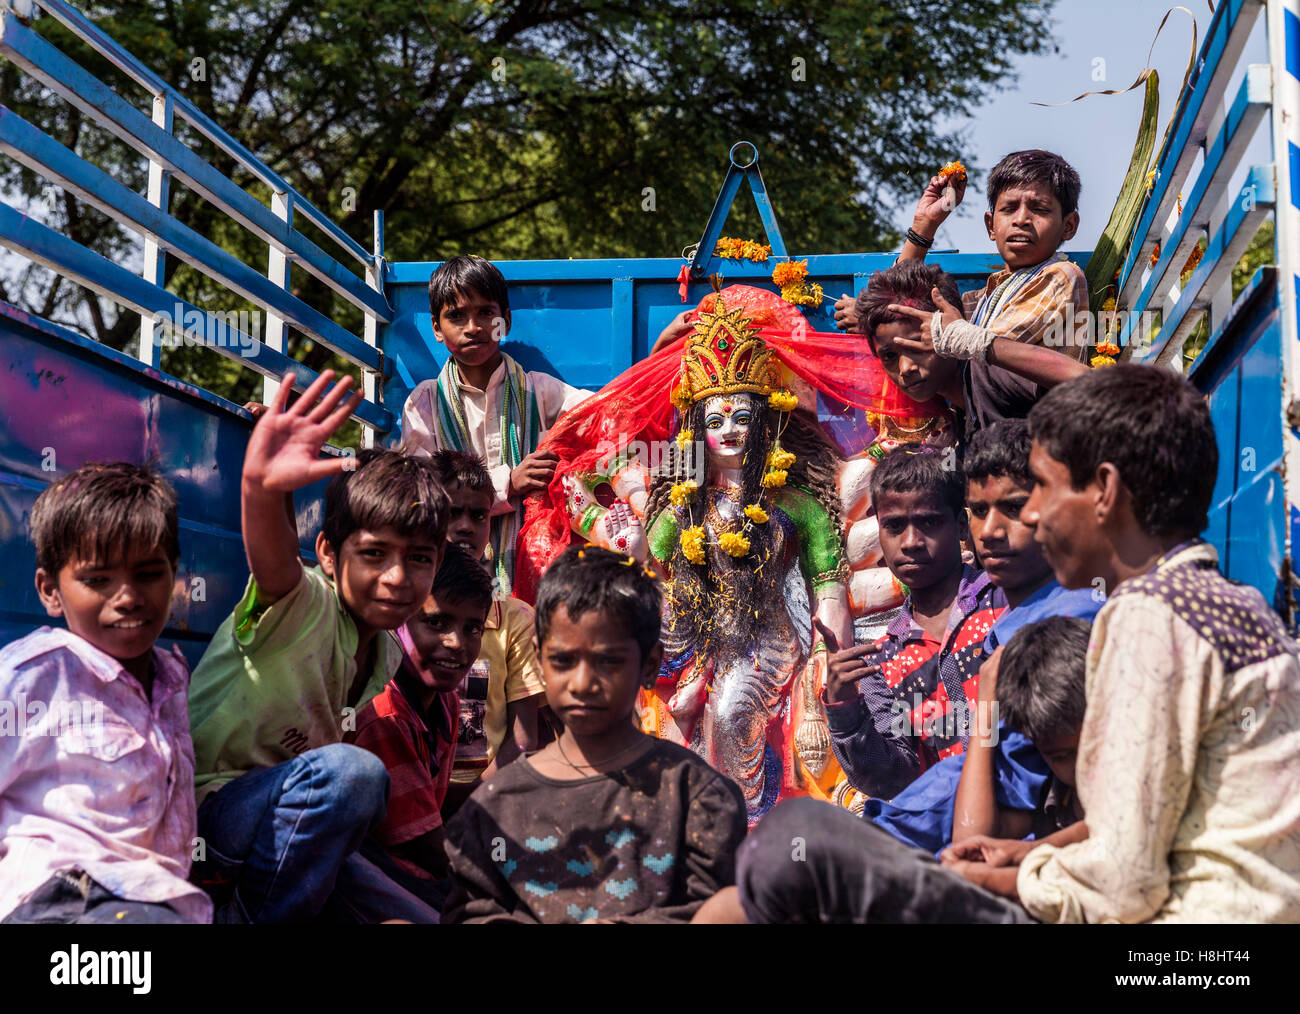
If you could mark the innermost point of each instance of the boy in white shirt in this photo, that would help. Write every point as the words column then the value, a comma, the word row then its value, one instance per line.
column 485, row 403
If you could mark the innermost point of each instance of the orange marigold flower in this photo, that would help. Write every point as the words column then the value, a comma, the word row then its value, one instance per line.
column 1097, row 361
column 1108, row 349
column 954, row 171
column 789, row 273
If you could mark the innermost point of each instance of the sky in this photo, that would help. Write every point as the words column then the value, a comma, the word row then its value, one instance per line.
column 1095, row 134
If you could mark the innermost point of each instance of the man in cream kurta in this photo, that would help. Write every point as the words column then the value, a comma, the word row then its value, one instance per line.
column 1189, row 759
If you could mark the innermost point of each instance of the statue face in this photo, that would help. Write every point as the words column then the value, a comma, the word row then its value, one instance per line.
column 726, row 428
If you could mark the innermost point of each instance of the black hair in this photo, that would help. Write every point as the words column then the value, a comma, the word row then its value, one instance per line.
column 584, row 579
column 453, row 467
column 386, row 490
column 1041, row 677
column 461, row 578
column 1148, row 422
column 999, row 450
column 101, row 510
column 1036, row 166
column 913, row 468
column 907, row 282
column 464, row 275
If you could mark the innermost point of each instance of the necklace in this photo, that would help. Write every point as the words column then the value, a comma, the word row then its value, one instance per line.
column 592, row 767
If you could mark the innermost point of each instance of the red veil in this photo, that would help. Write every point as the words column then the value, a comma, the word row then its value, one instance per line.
column 636, row 406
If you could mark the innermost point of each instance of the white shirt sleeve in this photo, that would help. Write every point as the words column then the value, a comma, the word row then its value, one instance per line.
column 418, row 417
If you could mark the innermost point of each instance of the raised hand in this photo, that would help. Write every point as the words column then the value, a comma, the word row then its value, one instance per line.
column 284, row 448
column 846, row 666
column 942, row 194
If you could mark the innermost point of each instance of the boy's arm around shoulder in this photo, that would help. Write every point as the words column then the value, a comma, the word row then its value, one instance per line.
column 1137, row 757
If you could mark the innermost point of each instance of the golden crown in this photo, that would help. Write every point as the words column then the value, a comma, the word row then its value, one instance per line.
column 724, row 356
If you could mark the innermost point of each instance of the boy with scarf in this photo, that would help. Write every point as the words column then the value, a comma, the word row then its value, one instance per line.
column 485, row 403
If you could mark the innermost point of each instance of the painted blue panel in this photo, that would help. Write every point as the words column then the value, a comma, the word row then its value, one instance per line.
column 1261, row 399
column 1256, row 538
column 1292, row 29
column 86, row 404
column 1225, row 406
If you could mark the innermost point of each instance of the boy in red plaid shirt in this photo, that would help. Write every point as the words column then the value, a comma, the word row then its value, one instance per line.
column 411, row 724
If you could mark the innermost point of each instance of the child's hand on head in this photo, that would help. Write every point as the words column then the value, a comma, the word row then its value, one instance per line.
column 947, row 314
column 284, row 448
column 941, row 195
column 533, row 474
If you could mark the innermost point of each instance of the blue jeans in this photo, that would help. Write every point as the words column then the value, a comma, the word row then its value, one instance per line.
column 287, row 837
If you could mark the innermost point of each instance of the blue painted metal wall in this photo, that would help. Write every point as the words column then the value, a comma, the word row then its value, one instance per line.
column 588, row 320
column 65, row 400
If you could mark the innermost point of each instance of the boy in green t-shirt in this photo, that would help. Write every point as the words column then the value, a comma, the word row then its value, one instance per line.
column 284, row 804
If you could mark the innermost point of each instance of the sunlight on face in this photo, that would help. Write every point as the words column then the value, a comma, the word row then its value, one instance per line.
column 726, row 428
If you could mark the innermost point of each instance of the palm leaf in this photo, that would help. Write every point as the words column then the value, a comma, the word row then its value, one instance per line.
column 1112, row 247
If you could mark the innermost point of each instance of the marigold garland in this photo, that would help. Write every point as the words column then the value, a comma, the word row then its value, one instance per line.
column 774, row 478
column 733, row 543
column 682, row 493
column 693, row 544
column 756, row 514
column 789, row 273
column 783, row 401
column 1108, row 349
column 778, row 457
column 683, row 438
column 1097, row 361
column 730, row 248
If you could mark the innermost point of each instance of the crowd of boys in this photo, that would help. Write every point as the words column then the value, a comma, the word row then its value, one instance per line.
column 1089, row 723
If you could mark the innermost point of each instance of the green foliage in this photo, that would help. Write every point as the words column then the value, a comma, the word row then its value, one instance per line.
column 519, row 128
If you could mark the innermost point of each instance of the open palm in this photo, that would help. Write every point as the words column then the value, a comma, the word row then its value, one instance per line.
column 284, row 449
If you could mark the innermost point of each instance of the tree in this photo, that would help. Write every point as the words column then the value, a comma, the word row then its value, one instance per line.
column 532, row 127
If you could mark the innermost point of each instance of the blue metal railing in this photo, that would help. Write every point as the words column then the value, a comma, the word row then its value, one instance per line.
column 288, row 248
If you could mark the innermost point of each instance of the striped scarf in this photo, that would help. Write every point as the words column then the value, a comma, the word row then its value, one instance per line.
column 993, row 303
column 520, row 428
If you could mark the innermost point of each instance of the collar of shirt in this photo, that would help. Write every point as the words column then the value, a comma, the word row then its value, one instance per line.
column 498, row 377
column 974, row 582
column 432, row 724
column 170, row 670
column 1050, row 600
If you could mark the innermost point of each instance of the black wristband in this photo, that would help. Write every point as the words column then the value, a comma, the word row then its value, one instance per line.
column 915, row 237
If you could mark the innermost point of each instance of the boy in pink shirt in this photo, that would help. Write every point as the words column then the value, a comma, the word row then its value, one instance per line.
column 97, row 818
